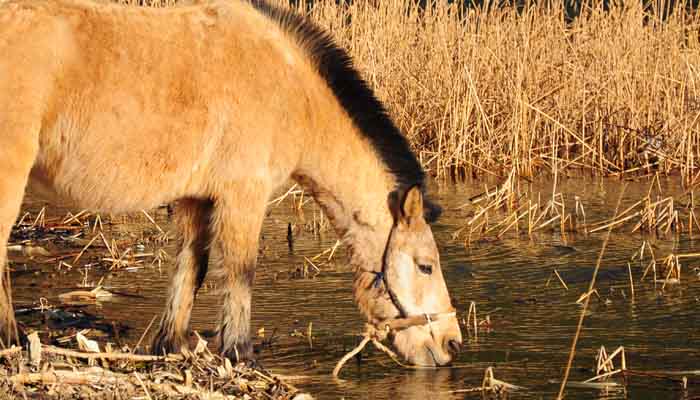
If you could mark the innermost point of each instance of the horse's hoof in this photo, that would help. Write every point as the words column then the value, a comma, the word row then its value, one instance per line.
column 254, row 364
column 243, row 355
column 7, row 334
column 164, row 345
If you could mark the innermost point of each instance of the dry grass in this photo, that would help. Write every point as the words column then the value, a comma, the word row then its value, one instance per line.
column 487, row 90
column 513, row 208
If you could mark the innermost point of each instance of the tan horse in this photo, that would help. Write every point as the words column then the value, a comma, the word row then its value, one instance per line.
column 214, row 106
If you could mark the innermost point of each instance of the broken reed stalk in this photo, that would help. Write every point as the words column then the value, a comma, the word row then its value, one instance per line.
column 153, row 221
column 629, row 270
column 70, row 218
column 560, row 279
column 351, row 354
column 471, row 316
column 143, row 335
column 491, row 383
column 46, row 349
column 591, row 287
column 75, row 260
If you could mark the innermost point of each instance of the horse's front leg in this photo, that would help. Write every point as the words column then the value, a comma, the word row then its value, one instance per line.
column 18, row 149
column 193, row 217
column 237, row 222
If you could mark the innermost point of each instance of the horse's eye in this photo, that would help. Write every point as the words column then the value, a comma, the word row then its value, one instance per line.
column 425, row 268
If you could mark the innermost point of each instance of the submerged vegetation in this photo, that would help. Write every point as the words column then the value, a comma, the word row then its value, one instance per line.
column 512, row 208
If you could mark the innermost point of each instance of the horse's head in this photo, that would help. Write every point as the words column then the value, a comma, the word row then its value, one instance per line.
column 410, row 294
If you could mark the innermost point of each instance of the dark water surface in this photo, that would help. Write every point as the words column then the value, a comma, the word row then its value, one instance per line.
column 532, row 324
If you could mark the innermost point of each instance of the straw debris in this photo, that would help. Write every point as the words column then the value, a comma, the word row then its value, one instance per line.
column 55, row 372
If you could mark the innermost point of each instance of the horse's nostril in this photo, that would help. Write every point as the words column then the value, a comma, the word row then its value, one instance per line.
column 454, row 346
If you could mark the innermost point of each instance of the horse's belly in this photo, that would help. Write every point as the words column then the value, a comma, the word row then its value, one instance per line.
column 90, row 192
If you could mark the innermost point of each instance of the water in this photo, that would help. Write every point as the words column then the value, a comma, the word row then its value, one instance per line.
column 532, row 324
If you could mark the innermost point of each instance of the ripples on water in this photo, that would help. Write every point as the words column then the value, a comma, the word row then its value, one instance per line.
column 531, row 324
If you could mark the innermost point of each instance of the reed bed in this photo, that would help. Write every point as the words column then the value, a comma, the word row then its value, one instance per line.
column 511, row 208
column 490, row 89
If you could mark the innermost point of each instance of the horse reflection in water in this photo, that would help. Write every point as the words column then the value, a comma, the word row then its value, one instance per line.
column 213, row 107
column 418, row 384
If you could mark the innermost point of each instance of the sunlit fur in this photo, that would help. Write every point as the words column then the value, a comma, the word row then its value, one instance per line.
column 407, row 291
column 213, row 106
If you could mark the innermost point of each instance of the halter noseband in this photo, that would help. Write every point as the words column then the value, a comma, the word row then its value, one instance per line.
column 397, row 324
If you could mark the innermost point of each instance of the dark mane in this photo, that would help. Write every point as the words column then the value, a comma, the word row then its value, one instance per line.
column 367, row 112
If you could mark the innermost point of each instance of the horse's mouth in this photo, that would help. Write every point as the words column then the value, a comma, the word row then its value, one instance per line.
column 435, row 358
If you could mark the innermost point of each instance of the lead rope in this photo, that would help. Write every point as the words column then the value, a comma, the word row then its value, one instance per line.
column 376, row 336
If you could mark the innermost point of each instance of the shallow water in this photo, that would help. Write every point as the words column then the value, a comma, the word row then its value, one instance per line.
column 532, row 324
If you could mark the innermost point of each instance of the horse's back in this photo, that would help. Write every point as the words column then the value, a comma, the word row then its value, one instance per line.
column 142, row 106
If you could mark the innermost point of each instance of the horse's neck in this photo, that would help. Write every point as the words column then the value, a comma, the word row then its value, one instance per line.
column 352, row 186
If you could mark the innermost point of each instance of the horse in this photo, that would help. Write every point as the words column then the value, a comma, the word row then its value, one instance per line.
column 213, row 107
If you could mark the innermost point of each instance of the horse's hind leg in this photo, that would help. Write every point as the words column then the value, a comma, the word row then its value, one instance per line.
column 18, row 149
column 237, row 222
column 192, row 219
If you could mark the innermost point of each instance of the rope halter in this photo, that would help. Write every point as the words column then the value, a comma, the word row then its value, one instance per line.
column 397, row 324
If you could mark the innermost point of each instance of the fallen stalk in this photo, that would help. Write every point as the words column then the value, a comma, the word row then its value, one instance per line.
column 582, row 315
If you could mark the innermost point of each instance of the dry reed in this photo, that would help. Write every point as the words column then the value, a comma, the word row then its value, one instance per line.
column 512, row 207
column 488, row 89
column 582, row 315
column 48, row 371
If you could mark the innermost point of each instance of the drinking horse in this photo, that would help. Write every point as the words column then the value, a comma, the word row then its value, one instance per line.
column 213, row 107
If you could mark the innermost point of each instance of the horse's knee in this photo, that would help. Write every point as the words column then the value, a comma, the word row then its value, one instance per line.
column 237, row 222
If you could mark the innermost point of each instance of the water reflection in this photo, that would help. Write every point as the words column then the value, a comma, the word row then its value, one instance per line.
column 532, row 316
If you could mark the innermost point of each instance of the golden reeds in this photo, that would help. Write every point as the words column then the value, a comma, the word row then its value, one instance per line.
column 514, row 208
column 489, row 89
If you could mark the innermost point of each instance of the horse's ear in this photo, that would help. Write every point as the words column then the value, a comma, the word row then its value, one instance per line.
column 412, row 204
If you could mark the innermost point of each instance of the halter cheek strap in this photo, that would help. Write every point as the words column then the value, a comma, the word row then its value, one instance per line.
column 397, row 324
column 378, row 279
